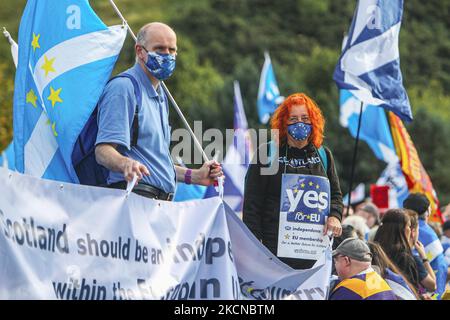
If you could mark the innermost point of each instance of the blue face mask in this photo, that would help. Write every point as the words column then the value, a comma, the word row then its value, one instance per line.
column 299, row 131
column 161, row 65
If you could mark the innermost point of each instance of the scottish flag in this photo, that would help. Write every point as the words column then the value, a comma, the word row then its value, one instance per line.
column 237, row 158
column 374, row 126
column 66, row 55
column 268, row 94
column 7, row 158
column 369, row 65
column 393, row 177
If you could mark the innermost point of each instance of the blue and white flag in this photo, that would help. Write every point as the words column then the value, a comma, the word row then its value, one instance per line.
column 393, row 177
column 369, row 65
column 237, row 158
column 66, row 55
column 7, row 157
column 374, row 126
column 268, row 94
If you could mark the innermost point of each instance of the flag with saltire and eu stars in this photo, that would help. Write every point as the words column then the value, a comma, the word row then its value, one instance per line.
column 66, row 56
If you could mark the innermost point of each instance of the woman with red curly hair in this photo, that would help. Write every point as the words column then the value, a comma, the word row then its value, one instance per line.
column 298, row 150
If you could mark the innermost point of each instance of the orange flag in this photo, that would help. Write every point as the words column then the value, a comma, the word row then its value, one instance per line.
column 415, row 174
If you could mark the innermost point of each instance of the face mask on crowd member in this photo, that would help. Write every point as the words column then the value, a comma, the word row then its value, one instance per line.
column 299, row 131
column 160, row 65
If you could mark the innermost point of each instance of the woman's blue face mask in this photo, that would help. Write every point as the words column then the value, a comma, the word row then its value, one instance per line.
column 299, row 131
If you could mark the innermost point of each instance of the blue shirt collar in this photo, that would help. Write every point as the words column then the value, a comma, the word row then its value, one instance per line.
column 145, row 81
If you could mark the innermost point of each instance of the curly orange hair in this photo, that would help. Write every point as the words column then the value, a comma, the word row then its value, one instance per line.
column 280, row 118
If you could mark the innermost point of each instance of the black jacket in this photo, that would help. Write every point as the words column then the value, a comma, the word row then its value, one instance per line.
column 261, row 210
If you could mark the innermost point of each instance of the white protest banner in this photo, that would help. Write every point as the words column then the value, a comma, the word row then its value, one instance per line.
column 66, row 241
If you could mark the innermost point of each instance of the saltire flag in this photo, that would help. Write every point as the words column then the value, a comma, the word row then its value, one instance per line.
column 237, row 158
column 268, row 94
column 374, row 128
column 7, row 158
column 412, row 168
column 66, row 55
column 393, row 177
column 369, row 65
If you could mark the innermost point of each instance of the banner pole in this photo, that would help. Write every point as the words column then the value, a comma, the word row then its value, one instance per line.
column 166, row 90
column 355, row 151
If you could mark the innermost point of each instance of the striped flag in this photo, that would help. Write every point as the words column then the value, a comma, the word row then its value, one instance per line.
column 66, row 57
column 237, row 158
column 413, row 170
column 369, row 65
column 268, row 93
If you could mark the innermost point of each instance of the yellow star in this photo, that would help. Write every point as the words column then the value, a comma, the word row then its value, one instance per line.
column 302, row 185
column 35, row 42
column 54, row 129
column 54, row 96
column 311, row 183
column 48, row 65
column 31, row 98
column 295, row 190
column 286, row 236
column 317, row 186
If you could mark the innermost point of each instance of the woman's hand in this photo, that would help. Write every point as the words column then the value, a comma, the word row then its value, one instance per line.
column 333, row 225
column 421, row 250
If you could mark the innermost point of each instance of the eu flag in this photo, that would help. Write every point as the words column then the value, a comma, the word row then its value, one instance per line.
column 66, row 55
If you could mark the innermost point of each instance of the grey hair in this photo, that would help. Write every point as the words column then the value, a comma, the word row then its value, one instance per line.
column 141, row 37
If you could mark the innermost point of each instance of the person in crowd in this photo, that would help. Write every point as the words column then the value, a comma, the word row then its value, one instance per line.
column 393, row 236
column 359, row 223
column 433, row 248
column 133, row 140
column 297, row 149
column 446, row 212
column 427, row 278
column 399, row 284
column 348, row 231
column 445, row 240
column 371, row 214
column 437, row 228
column 358, row 280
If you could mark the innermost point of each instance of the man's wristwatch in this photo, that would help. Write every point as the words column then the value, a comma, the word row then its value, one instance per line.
column 188, row 176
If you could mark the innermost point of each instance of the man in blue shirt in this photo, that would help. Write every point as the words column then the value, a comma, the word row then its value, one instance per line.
column 149, row 158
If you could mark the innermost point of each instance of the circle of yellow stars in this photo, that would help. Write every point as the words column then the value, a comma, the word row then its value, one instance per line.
column 47, row 67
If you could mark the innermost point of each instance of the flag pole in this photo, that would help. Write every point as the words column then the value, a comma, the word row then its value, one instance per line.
column 355, row 151
column 166, row 90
